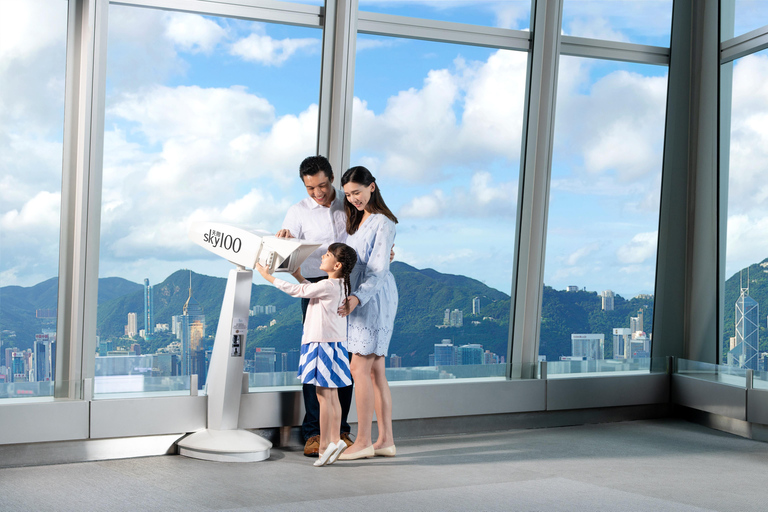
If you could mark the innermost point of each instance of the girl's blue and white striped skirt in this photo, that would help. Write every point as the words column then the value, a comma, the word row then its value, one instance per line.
column 325, row 365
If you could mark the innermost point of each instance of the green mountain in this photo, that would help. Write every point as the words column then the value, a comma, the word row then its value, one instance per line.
column 565, row 313
column 424, row 295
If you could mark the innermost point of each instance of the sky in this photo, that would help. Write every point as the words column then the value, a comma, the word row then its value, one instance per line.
column 208, row 119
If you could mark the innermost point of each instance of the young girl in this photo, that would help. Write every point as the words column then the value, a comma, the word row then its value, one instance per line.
column 324, row 361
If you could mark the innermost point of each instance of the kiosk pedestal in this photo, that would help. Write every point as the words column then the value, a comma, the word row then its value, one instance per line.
column 222, row 441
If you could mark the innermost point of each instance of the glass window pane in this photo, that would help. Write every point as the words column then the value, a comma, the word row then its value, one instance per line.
column 207, row 119
column 630, row 21
column 746, row 261
column 742, row 16
column 439, row 126
column 32, row 72
column 512, row 14
column 603, row 211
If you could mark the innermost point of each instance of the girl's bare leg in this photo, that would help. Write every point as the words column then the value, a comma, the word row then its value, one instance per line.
column 383, row 404
column 326, row 417
column 361, row 373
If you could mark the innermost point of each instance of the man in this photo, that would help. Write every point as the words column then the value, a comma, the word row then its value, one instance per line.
column 318, row 218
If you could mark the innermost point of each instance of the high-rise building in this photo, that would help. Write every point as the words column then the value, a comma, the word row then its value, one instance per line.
column 192, row 335
column 149, row 312
column 18, row 367
column 270, row 310
column 395, row 361
column 622, row 343
column 608, row 297
column 469, row 354
column 264, row 359
column 176, row 326
column 445, row 353
column 457, row 318
column 589, row 346
column 132, row 329
column 747, row 331
column 447, row 317
column 44, row 358
column 636, row 322
column 476, row 306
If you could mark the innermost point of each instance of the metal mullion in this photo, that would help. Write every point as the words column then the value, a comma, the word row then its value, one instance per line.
column 745, row 44
column 443, row 31
column 609, row 50
column 276, row 12
column 337, row 83
column 74, row 199
column 533, row 196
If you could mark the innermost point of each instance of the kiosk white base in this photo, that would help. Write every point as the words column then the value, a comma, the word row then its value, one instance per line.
column 225, row 446
column 222, row 441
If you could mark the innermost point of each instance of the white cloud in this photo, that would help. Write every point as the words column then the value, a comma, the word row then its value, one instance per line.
column 747, row 183
column 581, row 253
column 29, row 28
column 595, row 28
column 40, row 212
column 222, row 156
column 747, row 241
column 618, row 20
column 431, row 205
column 418, row 137
column 192, row 112
column 514, row 15
column 483, row 198
column 621, row 137
column 193, row 33
column 364, row 43
column 271, row 52
column 639, row 249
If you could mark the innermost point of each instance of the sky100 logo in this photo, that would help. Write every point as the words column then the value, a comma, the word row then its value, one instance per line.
column 222, row 240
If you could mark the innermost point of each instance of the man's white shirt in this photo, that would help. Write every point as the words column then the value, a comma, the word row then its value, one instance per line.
column 308, row 220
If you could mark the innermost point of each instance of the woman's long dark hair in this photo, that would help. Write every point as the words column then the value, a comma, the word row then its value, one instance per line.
column 347, row 256
column 363, row 176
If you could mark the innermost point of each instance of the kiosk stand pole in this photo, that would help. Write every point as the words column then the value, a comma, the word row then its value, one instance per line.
column 222, row 441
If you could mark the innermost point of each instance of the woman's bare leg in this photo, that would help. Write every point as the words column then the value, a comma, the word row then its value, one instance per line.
column 383, row 404
column 361, row 373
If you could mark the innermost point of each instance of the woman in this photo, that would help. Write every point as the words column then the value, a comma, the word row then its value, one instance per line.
column 371, row 309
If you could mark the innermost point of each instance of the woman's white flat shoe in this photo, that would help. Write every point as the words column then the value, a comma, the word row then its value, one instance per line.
column 362, row 454
column 389, row 451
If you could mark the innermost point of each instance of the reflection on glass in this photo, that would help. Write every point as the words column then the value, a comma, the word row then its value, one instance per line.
column 207, row 119
column 725, row 374
column 512, row 14
column 439, row 126
column 744, row 342
column 603, row 216
column 593, row 367
column 629, row 21
column 32, row 71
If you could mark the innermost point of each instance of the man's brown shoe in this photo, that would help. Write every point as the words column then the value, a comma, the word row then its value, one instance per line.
column 312, row 447
column 348, row 440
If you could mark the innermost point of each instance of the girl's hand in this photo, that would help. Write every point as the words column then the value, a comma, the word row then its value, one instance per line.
column 349, row 305
column 264, row 272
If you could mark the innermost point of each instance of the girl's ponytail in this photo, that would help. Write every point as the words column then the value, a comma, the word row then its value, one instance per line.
column 347, row 256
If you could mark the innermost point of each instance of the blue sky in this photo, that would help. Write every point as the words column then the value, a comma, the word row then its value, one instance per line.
column 208, row 118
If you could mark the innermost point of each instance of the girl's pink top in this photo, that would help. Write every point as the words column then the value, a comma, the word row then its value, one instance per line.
column 322, row 322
